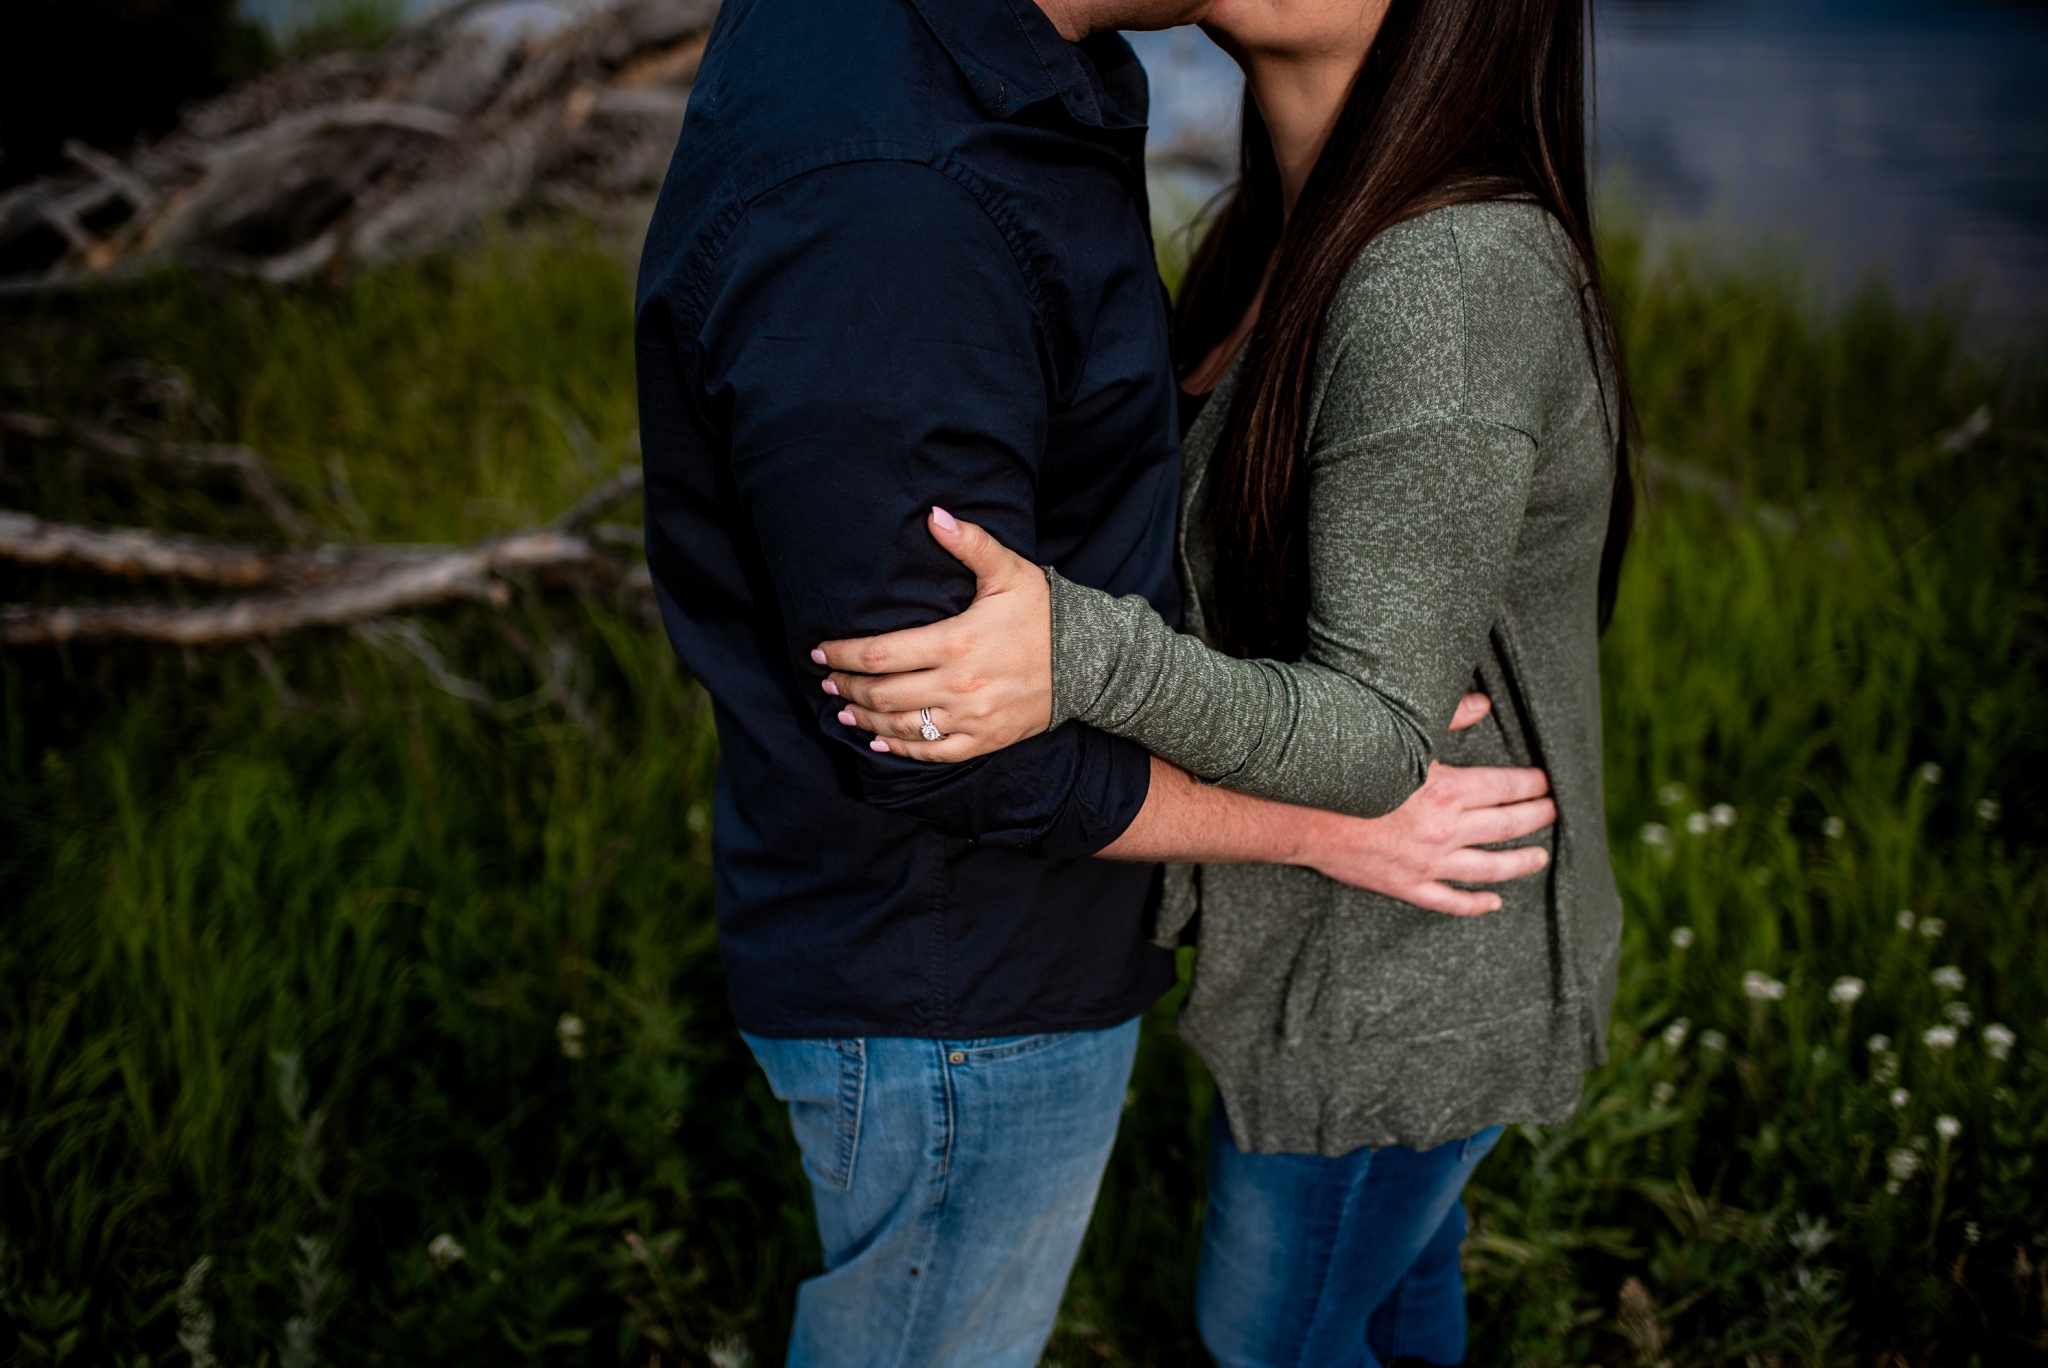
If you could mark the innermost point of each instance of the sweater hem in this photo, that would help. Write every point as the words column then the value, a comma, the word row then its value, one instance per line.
column 1332, row 1097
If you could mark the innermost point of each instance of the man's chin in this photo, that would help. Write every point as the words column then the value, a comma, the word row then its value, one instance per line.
column 1146, row 16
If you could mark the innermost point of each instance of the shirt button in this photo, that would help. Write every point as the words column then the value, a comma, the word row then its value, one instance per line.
column 957, row 1057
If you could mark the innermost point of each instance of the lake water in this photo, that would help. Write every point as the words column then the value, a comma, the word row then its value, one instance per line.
column 1902, row 136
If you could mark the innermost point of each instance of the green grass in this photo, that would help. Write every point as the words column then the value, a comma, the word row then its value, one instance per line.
column 287, row 941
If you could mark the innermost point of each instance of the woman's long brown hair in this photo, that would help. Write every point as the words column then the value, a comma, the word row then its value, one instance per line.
column 1459, row 101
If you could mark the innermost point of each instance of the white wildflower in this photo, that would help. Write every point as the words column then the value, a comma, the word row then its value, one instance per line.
column 1930, row 773
column 446, row 1252
column 698, row 818
column 1885, row 1069
column 1905, row 920
column 1972, row 1232
column 1947, row 1127
column 1999, row 1040
column 569, row 1030
column 1812, row 1235
column 1671, row 795
column 1819, row 1055
column 1761, row 987
column 1932, row 927
column 1846, row 991
column 1662, row 1094
column 1987, row 810
column 1878, row 1044
column 1957, row 1013
column 195, row 1321
column 1656, row 834
column 1939, row 1037
column 1697, row 824
column 1833, row 828
column 1902, row 1164
column 1682, row 938
column 1713, row 1040
column 1674, row 1034
column 1901, row 1098
column 1721, row 815
column 1949, row 976
column 730, row 1352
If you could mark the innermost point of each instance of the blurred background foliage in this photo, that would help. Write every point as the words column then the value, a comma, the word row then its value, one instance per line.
column 108, row 71
column 360, row 1000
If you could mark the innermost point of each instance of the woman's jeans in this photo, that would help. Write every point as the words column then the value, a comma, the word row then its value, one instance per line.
column 953, row 1182
column 1352, row 1262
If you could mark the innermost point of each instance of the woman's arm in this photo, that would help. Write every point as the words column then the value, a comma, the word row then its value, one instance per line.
column 1002, row 645
column 1416, row 506
column 1350, row 729
column 1411, row 533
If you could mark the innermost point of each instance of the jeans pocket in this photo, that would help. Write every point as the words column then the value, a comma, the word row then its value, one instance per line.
column 998, row 1048
column 825, row 1084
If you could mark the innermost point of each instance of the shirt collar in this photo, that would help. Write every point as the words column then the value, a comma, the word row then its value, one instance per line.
column 1012, row 56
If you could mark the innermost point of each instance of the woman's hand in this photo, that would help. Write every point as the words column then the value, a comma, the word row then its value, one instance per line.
column 1415, row 852
column 986, row 675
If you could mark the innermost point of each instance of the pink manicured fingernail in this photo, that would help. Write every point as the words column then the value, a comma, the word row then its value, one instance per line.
column 846, row 716
column 829, row 687
column 817, row 657
column 878, row 744
column 944, row 519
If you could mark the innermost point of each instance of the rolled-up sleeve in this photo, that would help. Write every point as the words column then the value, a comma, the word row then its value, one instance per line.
column 874, row 349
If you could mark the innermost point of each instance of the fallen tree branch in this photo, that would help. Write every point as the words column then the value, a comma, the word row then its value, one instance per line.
column 339, row 162
column 133, row 553
column 351, row 114
column 464, row 573
column 115, row 174
column 239, row 463
column 617, row 489
column 407, row 637
column 329, row 586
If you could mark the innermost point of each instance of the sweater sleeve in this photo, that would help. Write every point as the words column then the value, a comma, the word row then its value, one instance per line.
column 1413, row 525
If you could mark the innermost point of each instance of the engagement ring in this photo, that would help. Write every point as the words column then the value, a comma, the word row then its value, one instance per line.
column 930, row 730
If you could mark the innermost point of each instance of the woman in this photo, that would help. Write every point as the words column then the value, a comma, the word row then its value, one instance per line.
column 1407, row 478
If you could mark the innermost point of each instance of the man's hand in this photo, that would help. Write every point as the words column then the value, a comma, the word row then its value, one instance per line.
column 1412, row 852
column 1407, row 854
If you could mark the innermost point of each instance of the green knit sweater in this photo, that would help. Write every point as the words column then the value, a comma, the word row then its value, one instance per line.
column 1460, row 460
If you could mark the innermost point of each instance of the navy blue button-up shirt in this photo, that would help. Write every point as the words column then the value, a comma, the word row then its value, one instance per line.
column 902, row 258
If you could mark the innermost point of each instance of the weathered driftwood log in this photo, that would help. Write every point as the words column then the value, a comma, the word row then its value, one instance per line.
column 465, row 573
column 479, row 111
column 132, row 553
column 331, row 586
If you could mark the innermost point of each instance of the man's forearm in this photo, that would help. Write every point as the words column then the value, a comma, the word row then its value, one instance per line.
column 1414, row 854
column 1186, row 820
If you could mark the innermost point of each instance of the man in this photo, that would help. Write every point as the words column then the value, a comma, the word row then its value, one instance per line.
column 903, row 259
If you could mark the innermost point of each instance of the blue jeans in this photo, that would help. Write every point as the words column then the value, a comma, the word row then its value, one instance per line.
column 1352, row 1262
column 953, row 1181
